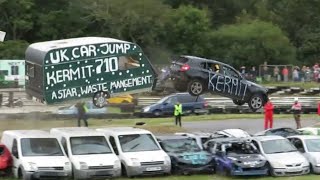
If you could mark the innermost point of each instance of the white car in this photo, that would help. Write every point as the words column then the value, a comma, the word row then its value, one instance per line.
column 138, row 150
column 237, row 133
column 284, row 159
column 309, row 146
column 310, row 130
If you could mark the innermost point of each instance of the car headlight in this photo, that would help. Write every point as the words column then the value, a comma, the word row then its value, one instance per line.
column 135, row 162
column 83, row 165
column 33, row 166
column 277, row 164
column 305, row 163
column 167, row 160
column 67, row 166
column 146, row 109
column 117, row 164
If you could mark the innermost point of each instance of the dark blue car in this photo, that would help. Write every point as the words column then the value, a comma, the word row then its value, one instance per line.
column 237, row 157
column 165, row 106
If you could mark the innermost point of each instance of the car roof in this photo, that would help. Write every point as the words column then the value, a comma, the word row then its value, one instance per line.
column 77, row 131
column 200, row 134
column 227, row 140
column 204, row 59
column 304, row 137
column 172, row 137
column 123, row 130
column 29, row 133
column 233, row 132
column 267, row 138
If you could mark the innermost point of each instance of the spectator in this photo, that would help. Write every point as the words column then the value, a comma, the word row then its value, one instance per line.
column 308, row 74
column 285, row 74
column 253, row 73
column 297, row 108
column 303, row 74
column 243, row 70
column 82, row 113
column 295, row 74
column 276, row 73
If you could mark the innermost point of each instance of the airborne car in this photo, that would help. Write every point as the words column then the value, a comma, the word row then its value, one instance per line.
column 198, row 75
column 236, row 156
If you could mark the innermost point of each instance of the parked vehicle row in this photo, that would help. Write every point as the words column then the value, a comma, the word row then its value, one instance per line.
column 83, row 153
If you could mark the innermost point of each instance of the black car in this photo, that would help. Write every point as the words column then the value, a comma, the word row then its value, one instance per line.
column 186, row 156
column 236, row 156
column 198, row 75
column 284, row 132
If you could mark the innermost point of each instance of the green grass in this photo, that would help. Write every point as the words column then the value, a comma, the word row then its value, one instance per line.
column 214, row 177
column 305, row 85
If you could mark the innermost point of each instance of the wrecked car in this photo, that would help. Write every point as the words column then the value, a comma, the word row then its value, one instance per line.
column 198, row 75
column 186, row 156
column 236, row 157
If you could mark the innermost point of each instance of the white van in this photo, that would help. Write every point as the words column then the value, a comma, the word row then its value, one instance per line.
column 138, row 150
column 36, row 154
column 89, row 152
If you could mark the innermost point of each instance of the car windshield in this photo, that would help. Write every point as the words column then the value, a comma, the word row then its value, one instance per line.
column 89, row 145
column 138, row 142
column 162, row 100
column 277, row 146
column 240, row 148
column 180, row 145
column 313, row 145
column 40, row 147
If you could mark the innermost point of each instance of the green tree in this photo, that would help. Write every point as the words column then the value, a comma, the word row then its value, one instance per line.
column 186, row 30
column 13, row 49
column 251, row 43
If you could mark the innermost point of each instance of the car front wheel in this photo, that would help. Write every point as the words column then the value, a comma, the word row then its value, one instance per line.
column 256, row 102
column 196, row 87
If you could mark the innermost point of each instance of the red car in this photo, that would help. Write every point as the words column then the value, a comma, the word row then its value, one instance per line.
column 5, row 160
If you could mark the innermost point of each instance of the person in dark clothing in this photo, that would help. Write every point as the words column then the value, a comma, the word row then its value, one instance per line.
column 82, row 113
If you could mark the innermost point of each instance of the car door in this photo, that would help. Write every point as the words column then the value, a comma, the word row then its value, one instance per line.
column 168, row 105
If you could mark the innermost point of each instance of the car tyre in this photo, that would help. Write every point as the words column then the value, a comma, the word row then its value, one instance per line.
column 99, row 99
column 271, row 171
column 157, row 113
column 256, row 102
column 23, row 174
column 238, row 102
column 196, row 87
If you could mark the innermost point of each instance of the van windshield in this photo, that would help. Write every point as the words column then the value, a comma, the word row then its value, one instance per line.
column 89, row 145
column 138, row 142
column 40, row 147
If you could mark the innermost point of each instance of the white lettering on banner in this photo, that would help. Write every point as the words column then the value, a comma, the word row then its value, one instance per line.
column 90, row 89
column 63, row 75
column 87, row 51
column 226, row 84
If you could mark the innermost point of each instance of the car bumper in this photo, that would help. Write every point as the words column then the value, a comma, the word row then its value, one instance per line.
column 316, row 169
column 147, row 170
column 209, row 168
column 96, row 173
column 291, row 171
column 49, row 174
column 249, row 172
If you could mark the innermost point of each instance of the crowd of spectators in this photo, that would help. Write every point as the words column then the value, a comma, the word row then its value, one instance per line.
column 282, row 73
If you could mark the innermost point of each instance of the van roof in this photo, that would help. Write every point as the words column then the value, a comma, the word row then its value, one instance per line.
column 36, row 52
column 29, row 133
column 77, row 131
column 123, row 130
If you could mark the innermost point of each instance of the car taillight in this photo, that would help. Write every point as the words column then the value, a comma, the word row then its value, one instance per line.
column 185, row 67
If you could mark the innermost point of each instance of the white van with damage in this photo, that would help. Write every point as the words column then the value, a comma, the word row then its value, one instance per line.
column 89, row 152
column 138, row 150
column 36, row 154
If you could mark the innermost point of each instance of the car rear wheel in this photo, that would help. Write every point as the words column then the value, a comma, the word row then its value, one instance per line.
column 238, row 102
column 100, row 99
column 256, row 102
column 196, row 87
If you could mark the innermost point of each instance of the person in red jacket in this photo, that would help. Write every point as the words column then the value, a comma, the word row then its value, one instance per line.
column 268, row 115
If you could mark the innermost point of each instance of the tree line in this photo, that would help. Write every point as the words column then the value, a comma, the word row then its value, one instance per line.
column 239, row 32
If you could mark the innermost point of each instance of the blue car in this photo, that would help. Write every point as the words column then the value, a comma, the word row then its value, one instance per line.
column 165, row 106
column 237, row 157
column 72, row 110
